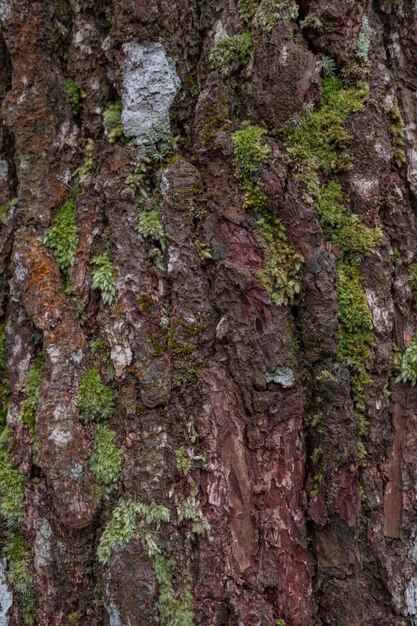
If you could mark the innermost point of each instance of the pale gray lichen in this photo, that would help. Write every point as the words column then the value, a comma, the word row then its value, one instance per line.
column 150, row 84
column 282, row 376
column 5, row 11
column 6, row 595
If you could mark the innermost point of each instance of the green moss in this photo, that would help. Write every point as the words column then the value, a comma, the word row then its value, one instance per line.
column 33, row 382
column 95, row 400
column 128, row 519
column 344, row 229
column 74, row 94
column 145, row 303
column 106, row 462
column 408, row 367
column 62, row 237
column 398, row 134
column 151, row 227
column 280, row 273
column 18, row 574
column 412, row 273
column 5, row 208
column 102, row 355
column 364, row 41
column 174, row 609
column 270, row 11
column 203, row 249
column 249, row 153
column 4, row 380
column 104, row 278
column 247, row 9
column 231, row 53
column 321, row 142
column 356, row 335
column 318, row 149
column 85, row 168
column 112, row 122
column 11, row 491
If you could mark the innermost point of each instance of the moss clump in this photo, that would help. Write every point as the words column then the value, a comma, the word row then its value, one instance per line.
column 145, row 303
column 95, row 400
column 356, row 335
column 106, row 462
column 231, row 53
column 103, row 277
column 112, row 122
column 321, row 142
column 130, row 519
column 4, row 381
column 5, row 208
column 74, row 94
column 270, row 11
column 62, row 236
column 150, row 226
column 247, row 9
column 33, row 382
column 85, row 168
column 346, row 230
column 318, row 149
column 408, row 367
column 280, row 274
column 412, row 273
column 249, row 153
column 174, row 609
column 398, row 134
column 19, row 575
column 11, row 490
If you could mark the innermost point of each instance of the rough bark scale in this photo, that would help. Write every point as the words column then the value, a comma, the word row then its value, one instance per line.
column 291, row 499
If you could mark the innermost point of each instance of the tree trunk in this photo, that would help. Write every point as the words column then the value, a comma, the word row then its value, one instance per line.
column 208, row 298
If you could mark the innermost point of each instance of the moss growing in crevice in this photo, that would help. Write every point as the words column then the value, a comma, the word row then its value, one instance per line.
column 95, row 400
column 356, row 335
column 398, row 134
column 231, row 53
column 112, row 122
column 4, row 380
column 280, row 274
column 106, row 462
column 29, row 405
column 318, row 149
column 19, row 575
column 14, row 548
column 62, row 236
column 75, row 95
column 408, row 365
column 136, row 519
column 104, row 277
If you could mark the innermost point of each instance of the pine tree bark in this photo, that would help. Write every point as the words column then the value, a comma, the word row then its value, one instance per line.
column 208, row 305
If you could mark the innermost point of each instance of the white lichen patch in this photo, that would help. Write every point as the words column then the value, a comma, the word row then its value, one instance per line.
column 411, row 599
column 120, row 352
column 382, row 315
column 367, row 188
column 114, row 614
column 60, row 437
column 4, row 169
column 5, row 11
column 6, row 595
column 150, row 84
column 43, row 551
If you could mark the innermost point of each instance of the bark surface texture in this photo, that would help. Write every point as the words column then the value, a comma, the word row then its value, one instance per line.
column 208, row 292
